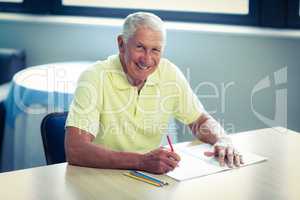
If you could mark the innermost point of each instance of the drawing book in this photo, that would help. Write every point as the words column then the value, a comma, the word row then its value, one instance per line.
column 194, row 163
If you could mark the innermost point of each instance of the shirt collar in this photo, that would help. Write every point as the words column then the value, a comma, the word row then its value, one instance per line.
column 119, row 78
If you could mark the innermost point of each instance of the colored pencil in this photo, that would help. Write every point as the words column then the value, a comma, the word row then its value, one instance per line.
column 170, row 143
column 143, row 179
column 137, row 173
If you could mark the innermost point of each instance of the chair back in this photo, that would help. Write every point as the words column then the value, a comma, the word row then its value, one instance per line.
column 53, row 136
column 2, row 122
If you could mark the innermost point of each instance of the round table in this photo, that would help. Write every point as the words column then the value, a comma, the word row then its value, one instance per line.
column 35, row 92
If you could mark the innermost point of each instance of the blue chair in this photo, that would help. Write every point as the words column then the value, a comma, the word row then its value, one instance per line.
column 2, row 122
column 11, row 61
column 53, row 136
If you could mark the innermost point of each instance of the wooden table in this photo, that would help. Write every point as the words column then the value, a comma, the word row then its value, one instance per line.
column 276, row 179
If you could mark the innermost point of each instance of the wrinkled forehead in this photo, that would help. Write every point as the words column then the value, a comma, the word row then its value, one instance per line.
column 156, row 35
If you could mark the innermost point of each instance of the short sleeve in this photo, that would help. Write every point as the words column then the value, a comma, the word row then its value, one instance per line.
column 84, row 111
column 188, row 107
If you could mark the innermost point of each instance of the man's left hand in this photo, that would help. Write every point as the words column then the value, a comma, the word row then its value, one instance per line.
column 226, row 153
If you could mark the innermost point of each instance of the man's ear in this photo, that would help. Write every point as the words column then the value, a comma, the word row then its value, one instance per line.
column 121, row 43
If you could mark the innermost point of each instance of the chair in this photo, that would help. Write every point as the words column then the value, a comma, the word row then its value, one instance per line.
column 53, row 136
column 2, row 122
column 11, row 61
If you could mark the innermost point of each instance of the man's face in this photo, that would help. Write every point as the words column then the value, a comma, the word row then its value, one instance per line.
column 141, row 54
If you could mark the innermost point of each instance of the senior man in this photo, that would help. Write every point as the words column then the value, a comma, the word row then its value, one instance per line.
column 122, row 106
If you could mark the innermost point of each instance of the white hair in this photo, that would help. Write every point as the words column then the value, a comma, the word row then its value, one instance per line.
column 142, row 19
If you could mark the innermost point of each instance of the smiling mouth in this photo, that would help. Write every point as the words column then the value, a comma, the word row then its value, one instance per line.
column 142, row 67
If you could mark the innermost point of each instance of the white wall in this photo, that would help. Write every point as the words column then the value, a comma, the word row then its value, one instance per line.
column 211, row 55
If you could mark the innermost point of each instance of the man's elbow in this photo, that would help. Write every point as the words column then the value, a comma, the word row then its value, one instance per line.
column 71, row 155
column 77, row 146
column 72, row 152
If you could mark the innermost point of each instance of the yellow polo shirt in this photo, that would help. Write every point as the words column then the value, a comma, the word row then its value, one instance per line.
column 107, row 106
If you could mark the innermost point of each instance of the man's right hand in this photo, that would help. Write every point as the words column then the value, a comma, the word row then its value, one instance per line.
column 159, row 161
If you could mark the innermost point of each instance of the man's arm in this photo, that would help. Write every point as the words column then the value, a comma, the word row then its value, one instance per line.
column 208, row 130
column 81, row 151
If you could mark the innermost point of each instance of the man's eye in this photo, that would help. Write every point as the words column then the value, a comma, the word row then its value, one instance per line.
column 139, row 46
column 156, row 50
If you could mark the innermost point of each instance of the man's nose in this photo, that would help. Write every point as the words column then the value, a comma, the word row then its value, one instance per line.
column 147, row 59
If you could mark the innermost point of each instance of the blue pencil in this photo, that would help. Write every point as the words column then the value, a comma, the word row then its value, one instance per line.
column 140, row 174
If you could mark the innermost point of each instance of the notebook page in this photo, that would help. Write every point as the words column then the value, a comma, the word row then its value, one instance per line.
column 195, row 164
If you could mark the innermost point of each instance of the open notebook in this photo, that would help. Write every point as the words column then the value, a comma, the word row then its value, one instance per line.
column 195, row 164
